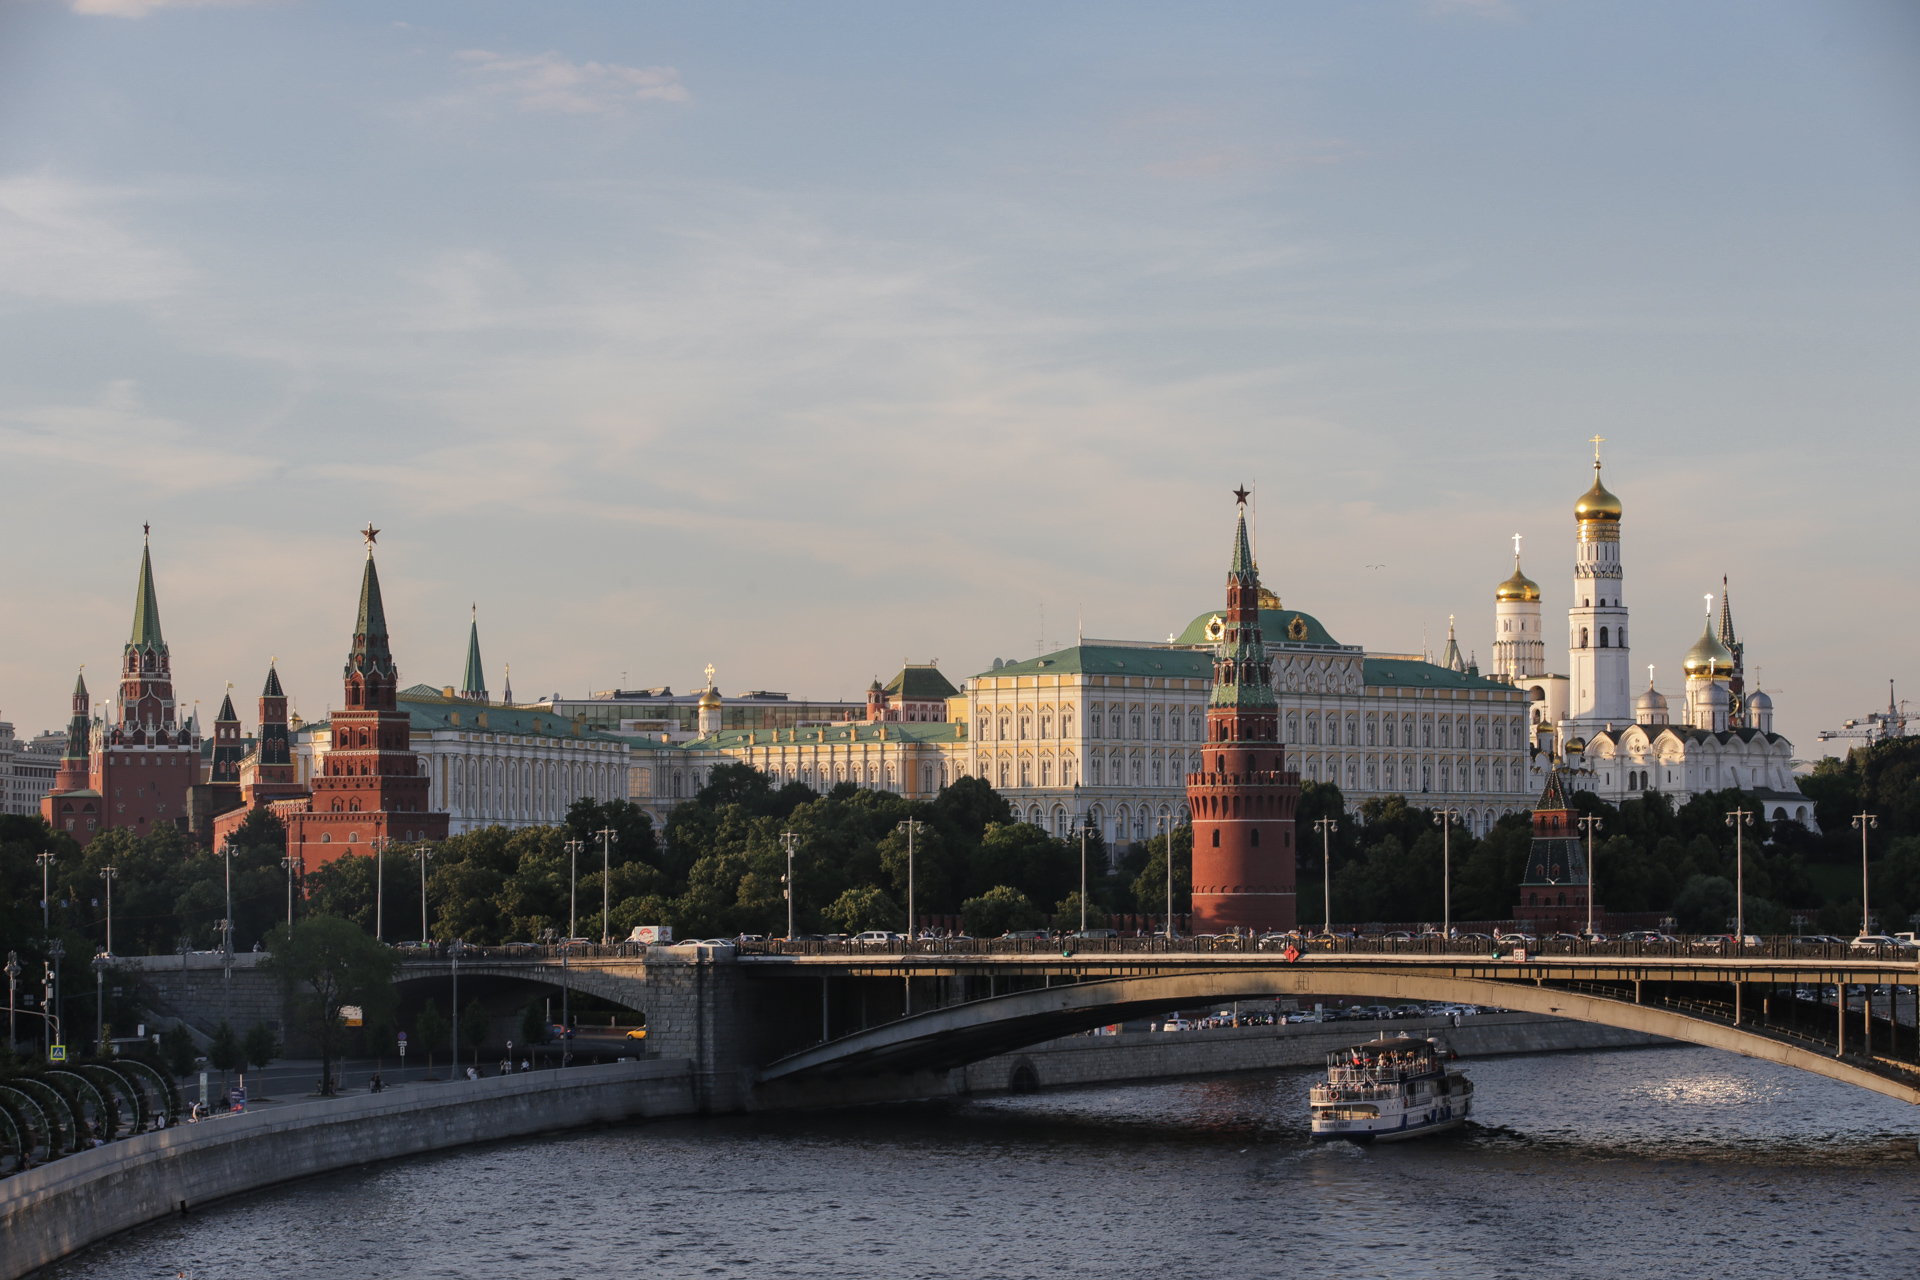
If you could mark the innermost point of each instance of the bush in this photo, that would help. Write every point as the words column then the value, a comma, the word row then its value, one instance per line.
column 178, row 1053
column 262, row 1047
column 999, row 910
column 858, row 910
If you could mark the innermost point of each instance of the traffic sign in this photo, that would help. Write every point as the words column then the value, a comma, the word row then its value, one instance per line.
column 57, row 1053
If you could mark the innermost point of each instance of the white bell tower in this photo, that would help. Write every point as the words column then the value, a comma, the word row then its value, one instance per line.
column 1598, row 656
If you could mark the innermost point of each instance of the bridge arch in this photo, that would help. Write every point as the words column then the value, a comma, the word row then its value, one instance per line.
column 956, row 1035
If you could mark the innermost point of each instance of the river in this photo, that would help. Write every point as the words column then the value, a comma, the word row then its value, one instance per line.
column 1644, row 1163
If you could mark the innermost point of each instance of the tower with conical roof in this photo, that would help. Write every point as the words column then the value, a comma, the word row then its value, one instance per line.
column 74, row 805
column 1737, row 680
column 1599, row 661
column 1554, row 889
column 473, row 685
column 1243, row 800
column 369, row 785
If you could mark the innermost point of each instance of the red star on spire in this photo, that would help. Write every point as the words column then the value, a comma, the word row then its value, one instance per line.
column 1240, row 495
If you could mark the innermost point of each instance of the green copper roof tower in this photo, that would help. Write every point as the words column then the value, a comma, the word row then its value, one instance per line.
column 146, row 608
column 474, row 684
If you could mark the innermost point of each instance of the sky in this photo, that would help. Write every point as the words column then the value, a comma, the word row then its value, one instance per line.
column 805, row 340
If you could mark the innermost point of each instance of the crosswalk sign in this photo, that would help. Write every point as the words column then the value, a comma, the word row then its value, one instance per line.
column 57, row 1053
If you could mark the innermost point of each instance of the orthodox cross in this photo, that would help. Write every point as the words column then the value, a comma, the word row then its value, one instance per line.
column 709, row 675
column 1597, row 441
column 1516, row 546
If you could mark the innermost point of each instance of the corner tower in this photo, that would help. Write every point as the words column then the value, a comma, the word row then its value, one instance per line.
column 1243, row 800
column 1598, row 657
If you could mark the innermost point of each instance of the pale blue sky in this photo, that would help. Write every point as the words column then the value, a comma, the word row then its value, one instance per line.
column 802, row 339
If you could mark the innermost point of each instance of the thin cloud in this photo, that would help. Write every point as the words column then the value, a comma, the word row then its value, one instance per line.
column 1496, row 10
column 548, row 82
column 59, row 240
column 141, row 8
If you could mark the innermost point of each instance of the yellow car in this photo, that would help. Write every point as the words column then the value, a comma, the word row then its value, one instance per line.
column 638, row 1033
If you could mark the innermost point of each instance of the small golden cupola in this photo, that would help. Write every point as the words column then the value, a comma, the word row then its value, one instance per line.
column 1518, row 587
column 1597, row 503
column 1708, row 659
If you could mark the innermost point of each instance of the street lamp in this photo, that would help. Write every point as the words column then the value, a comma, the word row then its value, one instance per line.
column 1326, row 826
column 56, row 952
column 226, row 962
column 1737, row 819
column 380, row 846
column 290, row 863
column 454, row 951
column 912, row 826
column 608, row 838
column 100, row 1005
column 1083, row 860
column 46, row 864
column 13, row 986
column 423, row 852
column 787, row 841
column 1166, row 823
column 1866, row 822
column 573, row 880
column 1445, row 819
column 109, row 874
column 1592, row 823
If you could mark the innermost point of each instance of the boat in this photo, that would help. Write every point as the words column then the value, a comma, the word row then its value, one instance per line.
column 1390, row 1090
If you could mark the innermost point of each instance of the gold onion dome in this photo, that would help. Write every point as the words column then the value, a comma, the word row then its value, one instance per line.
column 1518, row 587
column 1708, row 659
column 1597, row 503
column 709, row 699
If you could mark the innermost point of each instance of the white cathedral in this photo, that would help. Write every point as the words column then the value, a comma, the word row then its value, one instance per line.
column 1590, row 722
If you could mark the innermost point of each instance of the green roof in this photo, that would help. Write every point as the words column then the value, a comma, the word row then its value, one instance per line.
column 428, row 709
column 1276, row 625
column 1403, row 672
column 372, row 619
column 146, row 607
column 1092, row 659
column 473, row 682
column 921, row 684
column 860, row 731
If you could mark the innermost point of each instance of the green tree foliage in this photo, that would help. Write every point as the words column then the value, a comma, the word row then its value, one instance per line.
column 1150, row 885
column 262, row 1046
column 225, row 1052
column 534, row 1027
column 868, row 907
column 177, row 1052
column 475, row 1022
column 329, row 962
column 999, row 910
column 1704, row 905
column 1067, row 914
column 430, row 1032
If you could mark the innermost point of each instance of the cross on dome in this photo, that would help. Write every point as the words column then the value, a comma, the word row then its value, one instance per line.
column 1596, row 442
column 709, row 675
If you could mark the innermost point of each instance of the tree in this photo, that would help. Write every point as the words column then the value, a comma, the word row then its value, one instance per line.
column 1001, row 909
column 224, row 1053
column 262, row 1046
column 1150, row 886
column 1704, row 905
column 534, row 1027
column 331, row 962
column 430, row 1030
column 475, row 1022
column 858, row 910
column 1067, row 914
column 177, row 1051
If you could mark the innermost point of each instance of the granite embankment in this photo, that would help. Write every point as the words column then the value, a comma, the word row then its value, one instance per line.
column 67, row 1204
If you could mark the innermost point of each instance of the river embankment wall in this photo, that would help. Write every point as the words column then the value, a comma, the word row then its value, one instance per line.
column 1158, row 1055
column 67, row 1204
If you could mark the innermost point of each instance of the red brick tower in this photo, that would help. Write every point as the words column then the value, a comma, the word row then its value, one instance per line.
column 1243, row 802
column 227, row 747
column 274, row 760
column 370, row 785
column 73, row 806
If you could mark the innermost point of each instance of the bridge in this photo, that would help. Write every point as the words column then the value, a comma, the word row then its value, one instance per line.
column 755, row 1015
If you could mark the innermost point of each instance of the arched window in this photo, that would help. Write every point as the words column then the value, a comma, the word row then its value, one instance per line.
column 1256, row 837
column 1026, row 726
column 1583, row 638
column 1216, row 837
column 1313, row 731
column 1603, row 644
column 1046, row 725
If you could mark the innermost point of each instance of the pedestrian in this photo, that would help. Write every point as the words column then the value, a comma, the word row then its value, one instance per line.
column 525, row 1065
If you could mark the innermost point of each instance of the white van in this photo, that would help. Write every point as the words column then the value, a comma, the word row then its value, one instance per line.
column 877, row 935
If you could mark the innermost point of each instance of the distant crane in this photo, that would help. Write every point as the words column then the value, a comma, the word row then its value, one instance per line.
column 1878, row 726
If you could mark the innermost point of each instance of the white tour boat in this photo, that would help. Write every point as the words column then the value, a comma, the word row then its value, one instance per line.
column 1389, row 1090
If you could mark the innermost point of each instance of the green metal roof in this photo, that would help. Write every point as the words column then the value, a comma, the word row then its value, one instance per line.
column 921, row 684
column 372, row 619
column 474, row 682
column 1113, row 660
column 428, row 709
column 146, row 607
column 1391, row 672
column 914, row 732
column 1276, row 625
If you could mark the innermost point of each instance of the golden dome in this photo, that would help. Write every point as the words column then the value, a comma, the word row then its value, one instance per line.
column 709, row 699
column 1708, row 659
column 1576, row 746
column 1518, row 587
column 1596, row 503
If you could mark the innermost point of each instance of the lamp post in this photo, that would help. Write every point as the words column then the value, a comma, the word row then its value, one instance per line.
column 608, row 838
column 1738, row 819
column 13, row 986
column 566, row 991
column 787, row 841
column 290, row 863
column 1592, row 823
column 454, row 951
column 1083, row 861
column 1166, row 823
column 46, row 864
column 1866, row 822
column 226, row 969
column 423, row 852
column 380, row 846
column 56, row 952
column 109, row 874
column 1445, row 819
column 1325, row 827
column 573, row 884
column 100, row 1005
column 912, row 827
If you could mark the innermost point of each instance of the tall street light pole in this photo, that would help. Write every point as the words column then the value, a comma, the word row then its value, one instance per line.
column 13, row 986
column 423, row 852
column 291, row 863
column 109, row 874
column 226, row 927
column 1592, row 823
column 1326, row 826
column 787, row 841
column 56, row 952
column 1866, row 822
column 46, row 864
column 1445, row 819
column 608, row 838
column 1737, row 819
column 573, row 887
column 100, row 1005
column 380, row 846
column 911, row 826
column 1083, row 865
column 454, row 952
column 1166, row 822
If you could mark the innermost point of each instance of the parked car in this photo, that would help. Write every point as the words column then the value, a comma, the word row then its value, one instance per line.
column 1025, row 935
column 638, row 1033
column 1869, row 941
column 562, row 1033
column 1097, row 933
column 877, row 935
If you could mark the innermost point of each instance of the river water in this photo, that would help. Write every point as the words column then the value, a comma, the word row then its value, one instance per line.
column 1644, row 1163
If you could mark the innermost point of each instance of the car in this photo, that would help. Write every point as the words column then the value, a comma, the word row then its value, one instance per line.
column 561, row 1032
column 717, row 942
column 1176, row 1024
column 877, row 935
column 1565, row 937
column 1097, row 933
column 1713, row 942
column 751, row 937
column 638, row 1033
column 1816, row 940
column 1872, row 941
column 1024, row 935
column 1475, row 937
